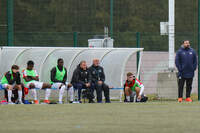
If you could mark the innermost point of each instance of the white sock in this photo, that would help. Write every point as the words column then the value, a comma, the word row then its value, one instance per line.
column 47, row 94
column 34, row 94
column 9, row 95
column 138, row 100
column 135, row 98
column 61, row 92
column 71, row 93
column 75, row 95
column 20, row 95
column 128, row 98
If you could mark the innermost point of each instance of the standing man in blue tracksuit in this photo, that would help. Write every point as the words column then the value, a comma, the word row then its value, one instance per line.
column 186, row 63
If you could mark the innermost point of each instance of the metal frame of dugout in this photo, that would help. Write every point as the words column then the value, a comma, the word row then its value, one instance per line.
column 113, row 60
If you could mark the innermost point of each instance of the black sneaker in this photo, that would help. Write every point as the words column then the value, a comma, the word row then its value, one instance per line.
column 91, row 101
column 107, row 102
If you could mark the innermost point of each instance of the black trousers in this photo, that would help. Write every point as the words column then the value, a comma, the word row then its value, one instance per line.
column 181, row 82
column 80, row 86
column 99, row 89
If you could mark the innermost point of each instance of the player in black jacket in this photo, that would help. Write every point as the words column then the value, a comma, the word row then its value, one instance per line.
column 81, row 79
column 59, row 80
column 12, row 80
column 98, row 79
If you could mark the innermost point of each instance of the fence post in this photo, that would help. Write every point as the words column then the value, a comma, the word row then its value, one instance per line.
column 199, row 49
column 138, row 46
column 75, row 37
column 111, row 18
column 10, row 30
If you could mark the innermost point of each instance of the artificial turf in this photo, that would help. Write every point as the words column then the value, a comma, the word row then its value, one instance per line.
column 150, row 117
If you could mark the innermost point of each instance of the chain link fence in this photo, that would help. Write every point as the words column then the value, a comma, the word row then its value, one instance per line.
column 53, row 22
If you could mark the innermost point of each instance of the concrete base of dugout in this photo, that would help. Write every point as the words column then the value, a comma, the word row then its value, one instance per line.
column 167, row 85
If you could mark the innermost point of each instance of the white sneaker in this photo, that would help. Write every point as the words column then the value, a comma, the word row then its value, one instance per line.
column 20, row 102
column 60, row 102
column 11, row 103
column 76, row 102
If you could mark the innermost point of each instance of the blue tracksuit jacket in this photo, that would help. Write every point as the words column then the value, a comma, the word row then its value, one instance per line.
column 186, row 62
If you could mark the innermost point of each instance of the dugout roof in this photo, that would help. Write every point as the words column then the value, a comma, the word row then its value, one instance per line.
column 113, row 60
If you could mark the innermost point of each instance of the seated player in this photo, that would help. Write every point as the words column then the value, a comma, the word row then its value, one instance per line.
column 133, row 87
column 12, row 80
column 31, row 81
column 58, row 80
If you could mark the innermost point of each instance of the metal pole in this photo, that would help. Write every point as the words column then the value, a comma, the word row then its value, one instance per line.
column 138, row 46
column 75, row 37
column 10, row 30
column 171, row 33
column 111, row 18
column 199, row 49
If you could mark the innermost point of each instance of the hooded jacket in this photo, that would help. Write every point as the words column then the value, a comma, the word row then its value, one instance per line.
column 81, row 76
column 186, row 62
column 97, row 73
column 12, row 78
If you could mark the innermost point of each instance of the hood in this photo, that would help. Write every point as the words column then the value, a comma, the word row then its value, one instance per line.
column 95, row 66
column 182, row 47
column 79, row 68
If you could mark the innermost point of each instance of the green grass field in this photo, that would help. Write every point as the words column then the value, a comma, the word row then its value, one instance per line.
column 151, row 117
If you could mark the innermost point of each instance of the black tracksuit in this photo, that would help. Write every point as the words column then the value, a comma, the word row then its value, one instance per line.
column 81, row 76
column 97, row 73
column 79, row 79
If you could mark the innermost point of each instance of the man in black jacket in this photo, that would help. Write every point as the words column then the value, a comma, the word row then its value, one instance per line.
column 98, row 78
column 81, row 79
